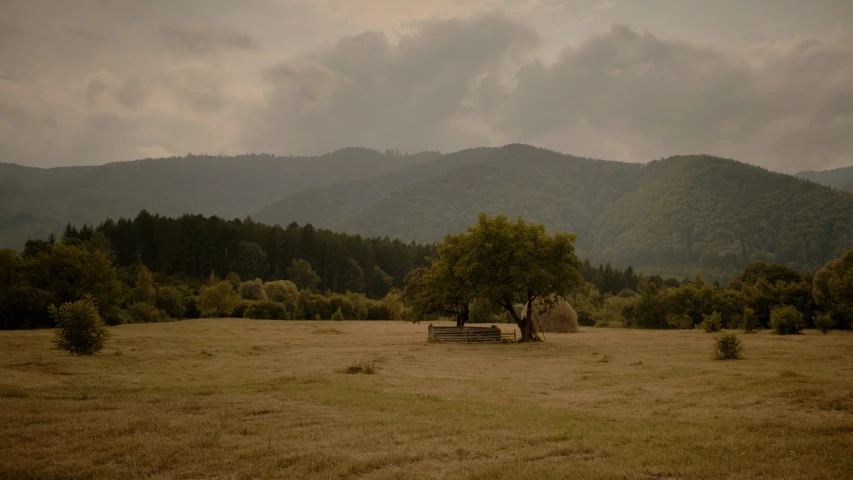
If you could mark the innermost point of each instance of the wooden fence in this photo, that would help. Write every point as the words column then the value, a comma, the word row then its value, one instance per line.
column 491, row 334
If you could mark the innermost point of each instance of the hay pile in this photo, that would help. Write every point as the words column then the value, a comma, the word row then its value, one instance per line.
column 561, row 318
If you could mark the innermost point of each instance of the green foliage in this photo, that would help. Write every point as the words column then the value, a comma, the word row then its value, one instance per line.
column 191, row 304
column 311, row 306
column 728, row 347
column 218, row 301
column 379, row 283
column 266, row 310
column 786, row 320
column 343, row 304
column 170, row 299
column 145, row 313
column 611, row 314
column 376, row 310
column 240, row 310
column 233, row 278
column 252, row 290
column 679, row 321
column 283, row 291
column 302, row 275
column 251, row 260
column 353, row 277
column 359, row 305
column 506, row 261
column 833, row 289
column 338, row 315
column 441, row 288
column 144, row 292
column 749, row 321
column 823, row 322
column 712, row 323
column 80, row 328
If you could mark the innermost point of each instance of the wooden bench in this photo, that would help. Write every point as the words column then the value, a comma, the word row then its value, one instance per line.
column 491, row 334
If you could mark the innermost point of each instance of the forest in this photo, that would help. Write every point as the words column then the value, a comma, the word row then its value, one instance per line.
column 153, row 268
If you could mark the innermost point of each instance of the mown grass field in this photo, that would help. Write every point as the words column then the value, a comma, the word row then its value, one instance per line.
column 236, row 399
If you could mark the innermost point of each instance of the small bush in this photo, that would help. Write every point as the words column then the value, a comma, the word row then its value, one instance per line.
column 680, row 321
column 712, row 323
column 252, row 290
column 219, row 300
column 191, row 304
column 376, row 310
column 786, row 320
column 338, row 315
column 241, row 308
column 266, row 310
column 728, row 347
column 823, row 322
column 146, row 313
column 81, row 330
column 171, row 300
column 366, row 368
column 749, row 322
column 313, row 306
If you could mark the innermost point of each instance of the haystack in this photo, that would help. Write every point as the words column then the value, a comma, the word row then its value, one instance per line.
column 561, row 318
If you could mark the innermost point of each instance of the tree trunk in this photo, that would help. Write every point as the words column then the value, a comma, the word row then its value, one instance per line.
column 462, row 316
column 526, row 324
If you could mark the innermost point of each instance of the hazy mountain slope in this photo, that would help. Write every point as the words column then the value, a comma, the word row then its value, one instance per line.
column 841, row 178
column 847, row 186
column 564, row 192
column 328, row 205
column 701, row 210
column 39, row 201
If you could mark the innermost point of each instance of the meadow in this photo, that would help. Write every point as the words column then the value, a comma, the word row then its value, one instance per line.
column 240, row 399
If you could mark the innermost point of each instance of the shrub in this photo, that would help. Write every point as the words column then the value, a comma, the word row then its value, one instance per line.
column 823, row 322
column 171, row 300
column 376, row 310
column 338, row 315
column 144, row 291
column 219, row 300
column 712, row 323
column 146, row 313
column 786, row 320
column 679, row 320
column 252, row 290
column 240, row 310
column 394, row 304
column 81, row 330
column 749, row 322
column 191, row 304
column 728, row 347
column 359, row 305
column 611, row 314
column 343, row 304
column 233, row 279
column 283, row 291
column 266, row 310
column 313, row 306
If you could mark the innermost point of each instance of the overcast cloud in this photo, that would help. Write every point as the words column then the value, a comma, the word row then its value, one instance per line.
column 94, row 81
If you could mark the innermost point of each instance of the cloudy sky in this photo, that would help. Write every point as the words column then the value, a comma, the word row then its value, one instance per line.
column 769, row 82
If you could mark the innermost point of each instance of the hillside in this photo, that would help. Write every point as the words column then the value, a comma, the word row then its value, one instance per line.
column 840, row 178
column 564, row 192
column 674, row 216
column 35, row 202
column 720, row 214
column 327, row 205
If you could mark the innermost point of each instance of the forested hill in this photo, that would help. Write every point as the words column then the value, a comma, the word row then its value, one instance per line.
column 675, row 216
column 840, row 178
column 35, row 202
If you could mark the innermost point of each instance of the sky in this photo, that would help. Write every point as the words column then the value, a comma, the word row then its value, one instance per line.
column 768, row 82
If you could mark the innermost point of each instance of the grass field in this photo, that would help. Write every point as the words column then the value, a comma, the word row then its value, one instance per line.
column 236, row 399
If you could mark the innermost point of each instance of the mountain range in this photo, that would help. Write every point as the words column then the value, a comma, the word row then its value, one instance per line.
column 677, row 215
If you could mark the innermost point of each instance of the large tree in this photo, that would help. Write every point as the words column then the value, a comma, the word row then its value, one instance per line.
column 438, row 289
column 833, row 289
column 507, row 262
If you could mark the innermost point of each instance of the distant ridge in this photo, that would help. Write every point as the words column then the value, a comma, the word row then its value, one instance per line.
column 676, row 216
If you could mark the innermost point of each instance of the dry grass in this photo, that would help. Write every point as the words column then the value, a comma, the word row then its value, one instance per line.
column 246, row 399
